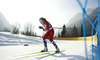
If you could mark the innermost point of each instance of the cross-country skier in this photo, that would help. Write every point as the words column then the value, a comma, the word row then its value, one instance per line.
column 50, row 33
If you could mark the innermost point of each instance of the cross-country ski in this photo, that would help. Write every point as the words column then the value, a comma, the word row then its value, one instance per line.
column 32, row 53
column 50, row 54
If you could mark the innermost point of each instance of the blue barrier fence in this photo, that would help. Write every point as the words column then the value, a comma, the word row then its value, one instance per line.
column 97, row 48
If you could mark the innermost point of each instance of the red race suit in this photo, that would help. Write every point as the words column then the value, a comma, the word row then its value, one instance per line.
column 50, row 32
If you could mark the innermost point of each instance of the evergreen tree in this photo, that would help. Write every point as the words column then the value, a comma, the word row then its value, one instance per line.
column 59, row 35
column 63, row 33
column 74, row 32
column 82, row 30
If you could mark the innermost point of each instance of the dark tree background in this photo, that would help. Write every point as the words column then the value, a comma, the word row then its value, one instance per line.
column 68, row 32
column 63, row 33
column 74, row 32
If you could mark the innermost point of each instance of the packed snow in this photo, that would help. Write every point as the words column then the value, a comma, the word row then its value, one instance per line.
column 12, row 45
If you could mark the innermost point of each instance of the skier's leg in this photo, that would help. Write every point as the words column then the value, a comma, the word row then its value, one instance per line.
column 45, row 42
column 53, row 42
column 45, row 45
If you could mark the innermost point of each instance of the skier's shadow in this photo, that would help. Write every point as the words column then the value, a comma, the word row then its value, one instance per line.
column 62, row 55
column 69, row 57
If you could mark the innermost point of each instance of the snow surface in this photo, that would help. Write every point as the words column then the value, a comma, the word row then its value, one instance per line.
column 12, row 45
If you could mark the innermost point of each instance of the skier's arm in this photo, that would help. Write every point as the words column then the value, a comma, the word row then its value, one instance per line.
column 40, row 27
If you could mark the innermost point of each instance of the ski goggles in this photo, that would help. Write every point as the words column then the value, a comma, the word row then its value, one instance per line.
column 40, row 20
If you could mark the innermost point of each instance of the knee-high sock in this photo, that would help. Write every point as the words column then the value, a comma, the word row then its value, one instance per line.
column 45, row 43
column 54, row 44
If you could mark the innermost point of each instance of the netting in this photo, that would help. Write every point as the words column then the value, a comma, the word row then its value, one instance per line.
column 96, row 49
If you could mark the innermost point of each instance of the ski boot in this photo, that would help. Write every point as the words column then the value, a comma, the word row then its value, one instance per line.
column 57, row 49
column 44, row 50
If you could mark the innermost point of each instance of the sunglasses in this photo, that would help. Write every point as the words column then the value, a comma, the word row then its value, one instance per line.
column 40, row 20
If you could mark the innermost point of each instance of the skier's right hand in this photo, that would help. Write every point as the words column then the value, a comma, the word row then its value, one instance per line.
column 45, row 30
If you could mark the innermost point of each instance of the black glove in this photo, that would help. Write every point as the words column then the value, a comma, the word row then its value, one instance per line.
column 40, row 27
